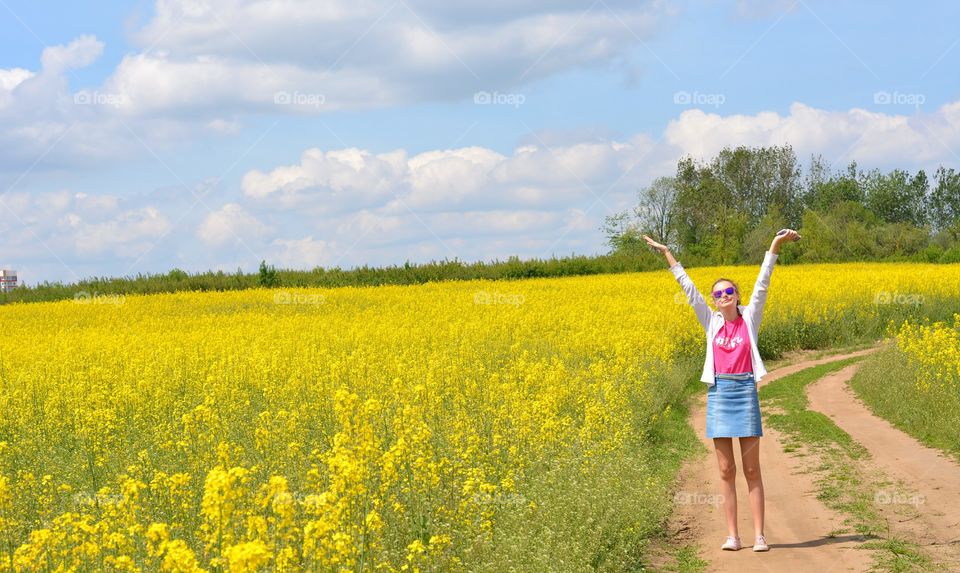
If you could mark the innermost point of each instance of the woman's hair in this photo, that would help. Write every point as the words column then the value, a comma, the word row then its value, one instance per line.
column 735, row 285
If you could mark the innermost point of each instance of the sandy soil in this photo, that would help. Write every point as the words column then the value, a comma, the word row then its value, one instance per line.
column 925, row 507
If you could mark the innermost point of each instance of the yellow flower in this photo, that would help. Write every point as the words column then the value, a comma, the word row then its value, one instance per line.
column 317, row 429
column 247, row 557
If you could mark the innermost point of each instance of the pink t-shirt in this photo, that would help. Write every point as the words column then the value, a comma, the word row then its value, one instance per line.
column 731, row 348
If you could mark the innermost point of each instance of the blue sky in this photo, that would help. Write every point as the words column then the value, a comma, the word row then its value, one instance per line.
column 140, row 136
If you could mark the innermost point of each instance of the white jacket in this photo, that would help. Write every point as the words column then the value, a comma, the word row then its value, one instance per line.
column 712, row 320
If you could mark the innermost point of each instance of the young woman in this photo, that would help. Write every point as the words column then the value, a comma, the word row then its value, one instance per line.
column 732, row 369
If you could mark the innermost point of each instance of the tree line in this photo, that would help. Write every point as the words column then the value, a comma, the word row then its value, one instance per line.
column 725, row 209
column 90, row 290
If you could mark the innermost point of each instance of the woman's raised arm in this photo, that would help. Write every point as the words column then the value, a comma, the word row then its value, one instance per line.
column 782, row 236
column 663, row 250
column 758, row 297
column 694, row 298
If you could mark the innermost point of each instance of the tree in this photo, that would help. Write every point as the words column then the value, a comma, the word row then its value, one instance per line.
column 817, row 174
column 900, row 239
column 844, row 233
column 897, row 197
column 724, row 210
column 697, row 200
column 656, row 209
column 268, row 275
column 718, row 201
column 622, row 233
column 653, row 215
column 918, row 195
column 944, row 202
column 757, row 240
column 759, row 178
column 824, row 190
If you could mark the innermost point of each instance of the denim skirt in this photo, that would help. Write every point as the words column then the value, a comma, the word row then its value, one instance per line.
column 733, row 407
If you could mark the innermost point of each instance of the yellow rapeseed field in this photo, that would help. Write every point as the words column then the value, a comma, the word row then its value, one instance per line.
column 383, row 429
column 934, row 351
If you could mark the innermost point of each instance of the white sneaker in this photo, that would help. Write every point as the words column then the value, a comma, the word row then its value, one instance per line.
column 732, row 544
column 761, row 544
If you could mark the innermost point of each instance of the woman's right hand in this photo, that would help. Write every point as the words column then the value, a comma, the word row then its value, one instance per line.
column 655, row 245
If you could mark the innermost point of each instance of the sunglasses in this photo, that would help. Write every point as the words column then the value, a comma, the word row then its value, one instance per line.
column 719, row 293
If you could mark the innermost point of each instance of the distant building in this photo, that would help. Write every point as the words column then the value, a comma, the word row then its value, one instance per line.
column 8, row 280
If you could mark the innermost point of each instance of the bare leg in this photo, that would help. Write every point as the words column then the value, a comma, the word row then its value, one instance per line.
column 750, row 455
column 728, row 481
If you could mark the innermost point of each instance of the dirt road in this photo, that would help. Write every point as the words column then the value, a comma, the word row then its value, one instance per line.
column 926, row 507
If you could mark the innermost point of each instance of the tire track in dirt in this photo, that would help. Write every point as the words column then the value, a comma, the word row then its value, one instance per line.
column 926, row 507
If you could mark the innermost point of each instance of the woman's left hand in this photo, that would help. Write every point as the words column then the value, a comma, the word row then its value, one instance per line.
column 786, row 235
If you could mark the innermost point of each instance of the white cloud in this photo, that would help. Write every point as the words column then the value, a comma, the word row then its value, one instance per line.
column 95, row 204
column 79, row 53
column 869, row 137
column 450, row 177
column 336, row 180
column 58, row 201
column 69, row 235
column 389, row 225
column 67, row 225
column 127, row 235
column 499, row 223
column 224, row 126
column 42, row 118
column 230, row 224
column 225, row 55
column 303, row 253
column 468, row 178
column 9, row 80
